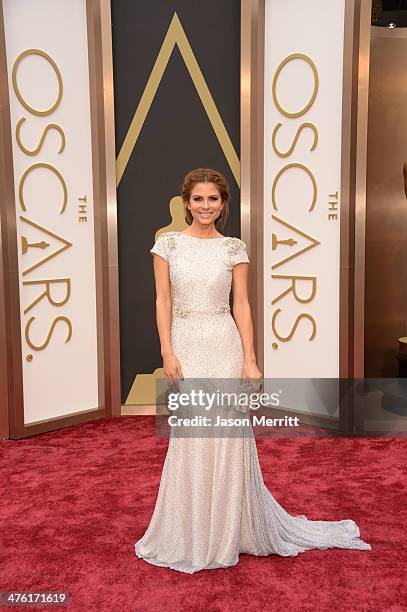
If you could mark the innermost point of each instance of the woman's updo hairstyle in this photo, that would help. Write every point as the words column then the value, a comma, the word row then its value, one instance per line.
column 206, row 175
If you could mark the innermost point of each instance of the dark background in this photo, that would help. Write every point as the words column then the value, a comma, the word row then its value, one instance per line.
column 385, row 12
column 176, row 137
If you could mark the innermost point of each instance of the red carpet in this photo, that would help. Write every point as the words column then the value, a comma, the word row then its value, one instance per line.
column 74, row 502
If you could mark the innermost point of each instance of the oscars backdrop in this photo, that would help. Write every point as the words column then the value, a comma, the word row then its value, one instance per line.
column 49, row 96
column 177, row 107
column 303, row 78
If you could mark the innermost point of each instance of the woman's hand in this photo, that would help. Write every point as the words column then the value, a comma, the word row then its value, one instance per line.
column 172, row 371
column 252, row 372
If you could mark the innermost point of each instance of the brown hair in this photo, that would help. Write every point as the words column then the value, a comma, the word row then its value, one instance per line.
column 206, row 175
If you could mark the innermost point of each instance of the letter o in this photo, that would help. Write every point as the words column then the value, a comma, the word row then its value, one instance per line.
column 316, row 84
column 17, row 91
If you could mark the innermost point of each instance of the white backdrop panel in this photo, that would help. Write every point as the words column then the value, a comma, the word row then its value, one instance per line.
column 61, row 378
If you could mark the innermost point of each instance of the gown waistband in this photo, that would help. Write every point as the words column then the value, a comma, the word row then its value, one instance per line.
column 180, row 310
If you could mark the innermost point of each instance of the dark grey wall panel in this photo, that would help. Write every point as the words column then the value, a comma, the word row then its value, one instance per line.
column 176, row 137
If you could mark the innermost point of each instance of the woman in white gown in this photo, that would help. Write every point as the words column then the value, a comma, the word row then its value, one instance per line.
column 212, row 503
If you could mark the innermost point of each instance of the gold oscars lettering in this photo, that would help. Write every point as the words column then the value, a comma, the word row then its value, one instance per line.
column 28, row 246
column 278, row 221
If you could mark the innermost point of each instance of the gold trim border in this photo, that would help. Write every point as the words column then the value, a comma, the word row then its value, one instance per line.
column 252, row 158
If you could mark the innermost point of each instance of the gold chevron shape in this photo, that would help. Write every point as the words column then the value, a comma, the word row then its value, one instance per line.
column 65, row 245
column 176, row 35
column 313, row 241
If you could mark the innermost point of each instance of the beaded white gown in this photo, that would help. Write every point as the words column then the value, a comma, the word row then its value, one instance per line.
column 212, row 503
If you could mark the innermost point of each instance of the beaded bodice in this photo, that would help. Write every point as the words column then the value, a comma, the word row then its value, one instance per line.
column 200, row 270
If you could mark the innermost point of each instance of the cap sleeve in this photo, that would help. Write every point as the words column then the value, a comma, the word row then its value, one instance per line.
column 160, row 247
column 238, row 252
